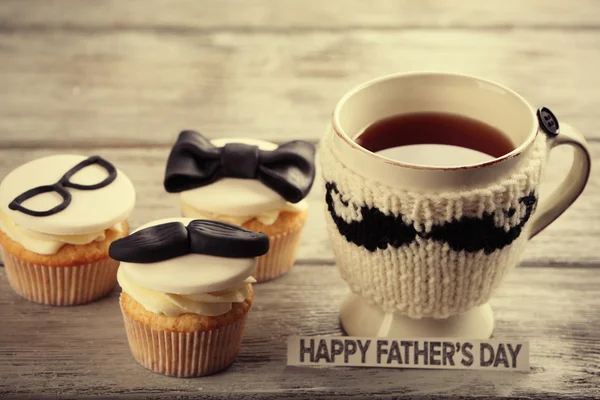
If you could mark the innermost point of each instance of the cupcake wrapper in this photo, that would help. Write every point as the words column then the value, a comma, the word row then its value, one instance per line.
column 282, row 253
column 184, row 354
column 60, row 286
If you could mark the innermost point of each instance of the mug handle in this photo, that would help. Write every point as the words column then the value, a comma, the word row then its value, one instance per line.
column 571, row 187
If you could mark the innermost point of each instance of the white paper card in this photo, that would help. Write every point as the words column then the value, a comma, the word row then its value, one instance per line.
column 435, row 353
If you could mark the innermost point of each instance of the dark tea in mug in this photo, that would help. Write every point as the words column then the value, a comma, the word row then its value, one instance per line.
column 435, row 139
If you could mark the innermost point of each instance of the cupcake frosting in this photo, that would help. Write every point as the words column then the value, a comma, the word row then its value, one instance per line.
column 46, row 244
column 266, row 216
column 172, row 305
column 238, row 200
column 87, row 217
column 191, row 283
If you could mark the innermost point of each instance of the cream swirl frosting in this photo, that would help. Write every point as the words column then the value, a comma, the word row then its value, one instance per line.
column 192, row 283
column 266, row 217
column 237, row 200
column 46, row 244
column 208, row 304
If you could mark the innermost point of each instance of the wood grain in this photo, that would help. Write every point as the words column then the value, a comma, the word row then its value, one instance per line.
column 82, row 351
column 572, row 239
column 121, row 78
column 289, row 15
column 138, row 88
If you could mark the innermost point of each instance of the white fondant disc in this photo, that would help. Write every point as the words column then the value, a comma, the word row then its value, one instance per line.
column 90, row 210
column 189, row 274
column 232, row 196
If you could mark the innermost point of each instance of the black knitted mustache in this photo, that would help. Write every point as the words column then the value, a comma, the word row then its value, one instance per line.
column 377, row 230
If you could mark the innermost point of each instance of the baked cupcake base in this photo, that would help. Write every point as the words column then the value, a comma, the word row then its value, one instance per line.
column 281, row 257
column 284, row 239
column 74, row 275
column 188, row 345
column 61, row 286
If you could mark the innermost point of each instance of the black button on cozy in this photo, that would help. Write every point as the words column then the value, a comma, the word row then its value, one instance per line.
column 548, row 121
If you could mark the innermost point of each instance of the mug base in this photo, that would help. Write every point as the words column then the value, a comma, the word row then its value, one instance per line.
column 359, row 318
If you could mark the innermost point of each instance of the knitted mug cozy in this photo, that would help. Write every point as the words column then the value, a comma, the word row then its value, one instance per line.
column 426, row 254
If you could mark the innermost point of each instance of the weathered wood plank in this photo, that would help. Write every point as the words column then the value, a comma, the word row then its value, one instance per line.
column 139, row 88
column 82, row 351
column 286, row 14
column 572, row 239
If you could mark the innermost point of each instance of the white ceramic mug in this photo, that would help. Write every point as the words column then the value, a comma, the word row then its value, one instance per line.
column 425, row 242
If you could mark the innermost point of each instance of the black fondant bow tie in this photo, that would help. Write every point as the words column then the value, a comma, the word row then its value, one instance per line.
column 194, row 161
column 200, row 236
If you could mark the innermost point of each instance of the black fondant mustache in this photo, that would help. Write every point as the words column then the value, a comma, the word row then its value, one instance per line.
column 377, row 230
column 174, row 239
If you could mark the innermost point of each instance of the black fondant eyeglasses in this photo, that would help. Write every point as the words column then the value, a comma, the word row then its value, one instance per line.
column 60, row 187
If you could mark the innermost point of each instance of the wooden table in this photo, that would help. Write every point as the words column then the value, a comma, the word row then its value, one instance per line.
column 121, row 79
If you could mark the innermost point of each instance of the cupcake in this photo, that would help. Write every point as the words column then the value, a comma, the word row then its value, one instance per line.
column 251, row 183
column 187, row 292
column 58, row 216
